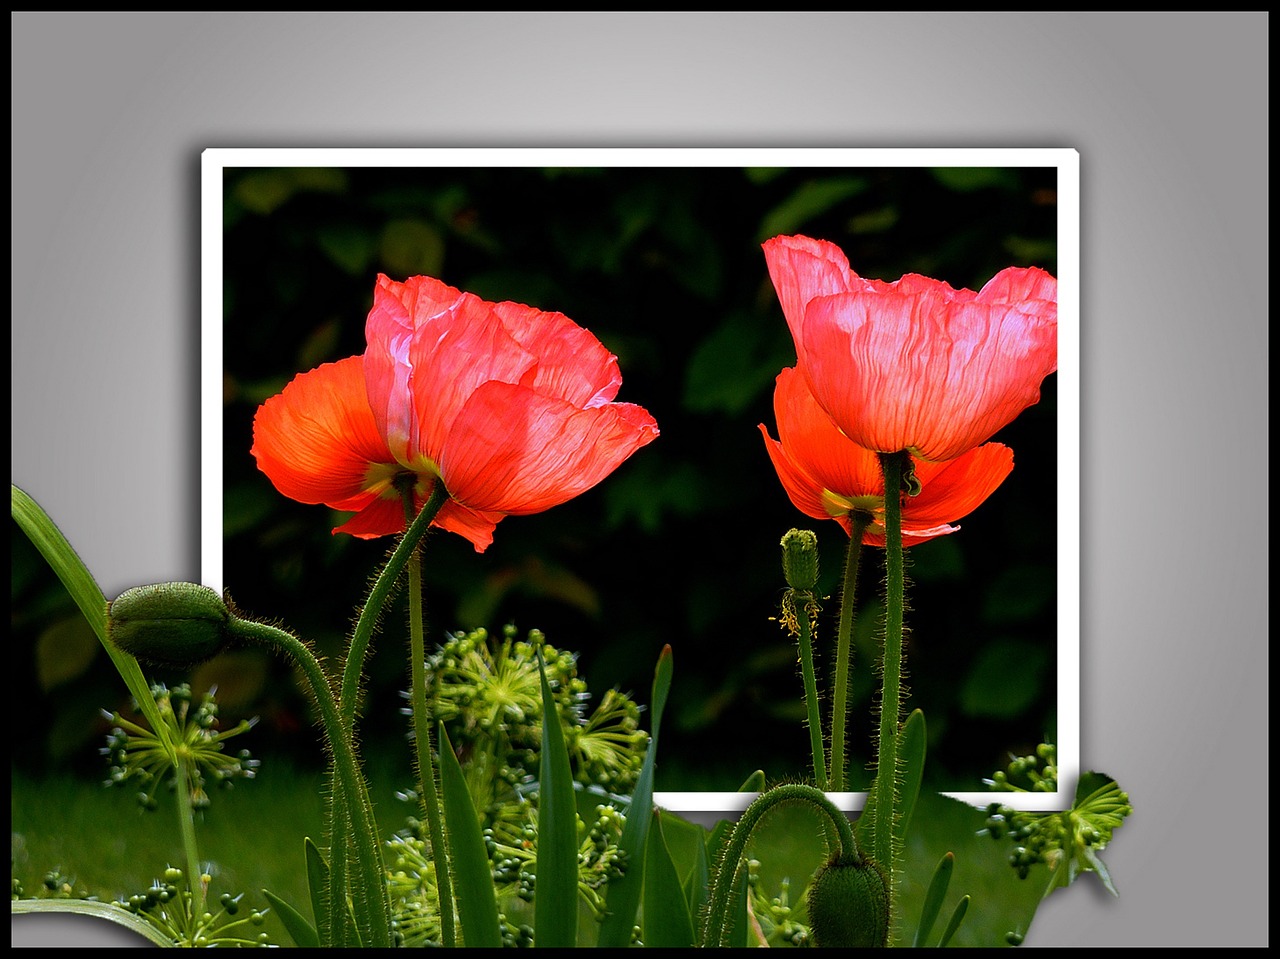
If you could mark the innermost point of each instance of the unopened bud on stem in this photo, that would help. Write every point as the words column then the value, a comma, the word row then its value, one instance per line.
column 800, row 559
column 849, row 905
column 177, row 624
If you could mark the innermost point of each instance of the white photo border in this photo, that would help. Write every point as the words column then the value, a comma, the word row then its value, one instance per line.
column 1065, row 160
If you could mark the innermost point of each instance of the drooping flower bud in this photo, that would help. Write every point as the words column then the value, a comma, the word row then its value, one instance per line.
column 849, row 905
column 175, row 624
column 800, row 559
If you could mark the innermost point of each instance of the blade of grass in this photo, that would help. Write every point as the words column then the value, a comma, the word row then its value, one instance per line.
column 555, row 906
column 85, row 592
column 303, row 933
column 933, row 899
column 318, row 886
column 911, row 754
column 623, row 894
column 667, row 923
column 472, row 875
column 954, row 922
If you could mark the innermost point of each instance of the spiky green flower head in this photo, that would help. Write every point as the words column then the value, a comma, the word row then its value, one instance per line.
column 138, row 755
column 488, row 693
column 849, row 905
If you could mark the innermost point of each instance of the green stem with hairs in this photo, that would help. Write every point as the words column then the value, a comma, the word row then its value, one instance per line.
column 803, row 602
column 353, row 670
column 885, row 788
column 844, row 650
column 372, row 884
column 716, row 926
column 422, row 738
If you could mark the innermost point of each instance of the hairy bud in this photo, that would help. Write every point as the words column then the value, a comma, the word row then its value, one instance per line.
column 849, row 905
column 800, row 559
column 175, row 624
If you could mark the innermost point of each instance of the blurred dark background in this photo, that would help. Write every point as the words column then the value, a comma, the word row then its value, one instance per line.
column 680, row 544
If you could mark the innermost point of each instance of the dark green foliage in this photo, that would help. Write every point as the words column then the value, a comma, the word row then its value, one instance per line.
column 678, row 546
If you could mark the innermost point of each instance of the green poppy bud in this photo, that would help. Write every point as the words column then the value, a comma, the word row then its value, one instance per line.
column 800, row 559
column 177, row 624
column 849, row 905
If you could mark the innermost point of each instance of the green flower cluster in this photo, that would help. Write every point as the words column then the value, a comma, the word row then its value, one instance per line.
column 489, row 696
column 138, row 755
column 1068, row 842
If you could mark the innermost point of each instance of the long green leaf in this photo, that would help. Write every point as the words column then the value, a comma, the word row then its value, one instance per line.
column 303, row 933
column 933, row 898
column 555, row 906
column 911, row 750
column 318, row 887
column 85, row 592
column 472, row 875
column 667, row 923
column 698, row 885
column 911, row 754
column 954, row 922
column 623, row 894
column 100, row 910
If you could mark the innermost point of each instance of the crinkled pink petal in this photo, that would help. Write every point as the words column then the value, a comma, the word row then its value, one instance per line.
column 802, row 268
column 571, row 363
column 452, row 356
column 924, row 372
column 513, row 450
column 398, row 310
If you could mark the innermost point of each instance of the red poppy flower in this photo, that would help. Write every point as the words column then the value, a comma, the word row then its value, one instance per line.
column 509, row 406
column 915, row 364
column 827, row 476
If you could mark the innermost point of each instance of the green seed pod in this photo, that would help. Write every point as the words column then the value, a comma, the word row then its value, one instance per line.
column 849, row 905
column 177, row 624
column 800, row 559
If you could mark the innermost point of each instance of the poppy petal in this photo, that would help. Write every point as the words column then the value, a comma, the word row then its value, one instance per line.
column 801, row 269
column 959, row 487
column 513, row 450
column 921, row 373
column 571, row 363
column 317, row 441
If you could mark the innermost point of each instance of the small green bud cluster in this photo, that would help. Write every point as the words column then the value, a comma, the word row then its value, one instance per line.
column 167, row 905
column 778, row 919
column 1046, row 838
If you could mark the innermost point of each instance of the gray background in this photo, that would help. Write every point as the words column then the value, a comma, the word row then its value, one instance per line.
column 1168, row 111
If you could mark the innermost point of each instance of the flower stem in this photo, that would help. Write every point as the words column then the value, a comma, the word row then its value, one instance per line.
column 804, row 633
column 372, row 610
column 887, row 801
column 844, row 650
column 422, row 738
column 373, row 886
column 353, row 671
column 187, row 826
column 716, row 925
